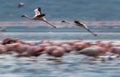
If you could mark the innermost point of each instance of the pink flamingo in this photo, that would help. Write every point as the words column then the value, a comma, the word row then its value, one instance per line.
column 39, row 16
column 80, row 24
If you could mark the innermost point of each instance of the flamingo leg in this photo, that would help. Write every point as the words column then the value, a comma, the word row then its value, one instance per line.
column 91, row 32
column 49, row 23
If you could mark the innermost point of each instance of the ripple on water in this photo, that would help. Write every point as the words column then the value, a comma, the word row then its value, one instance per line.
column 73, row 66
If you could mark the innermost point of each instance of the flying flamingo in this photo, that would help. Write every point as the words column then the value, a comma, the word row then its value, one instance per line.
column 80, row 24
column 21, row 4
column 38, row 16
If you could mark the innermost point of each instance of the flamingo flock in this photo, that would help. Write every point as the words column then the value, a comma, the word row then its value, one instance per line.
column 60, row 49
column 41, row 17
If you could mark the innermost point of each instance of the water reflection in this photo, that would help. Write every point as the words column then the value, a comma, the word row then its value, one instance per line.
column 72, row 66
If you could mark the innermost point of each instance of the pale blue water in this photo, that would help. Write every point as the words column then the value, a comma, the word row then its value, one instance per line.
column 65, row 33
column 74, row 65
column 63, row 9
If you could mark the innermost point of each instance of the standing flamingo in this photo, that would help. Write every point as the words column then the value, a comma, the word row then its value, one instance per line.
column 38, row 16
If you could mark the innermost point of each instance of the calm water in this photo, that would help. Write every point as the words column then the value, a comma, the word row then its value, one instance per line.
column 64, row 33
column 73, row 65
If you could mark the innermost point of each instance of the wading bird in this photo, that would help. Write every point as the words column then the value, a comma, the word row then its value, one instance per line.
column 38, row 16
column 80, row 24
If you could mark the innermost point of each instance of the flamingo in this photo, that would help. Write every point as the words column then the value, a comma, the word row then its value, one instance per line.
column 93, row 51
column 38, row 16
column 21, row 4
column 80, row 24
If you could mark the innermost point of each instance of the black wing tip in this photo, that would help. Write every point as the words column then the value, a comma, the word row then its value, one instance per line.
column 39, row 8
column 42, row 15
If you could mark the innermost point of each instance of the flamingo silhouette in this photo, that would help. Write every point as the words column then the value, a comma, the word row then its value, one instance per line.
column 80, row 24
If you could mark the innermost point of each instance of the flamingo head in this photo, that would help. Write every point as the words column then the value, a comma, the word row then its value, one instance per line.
column 24, row 15
column 77, row 22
